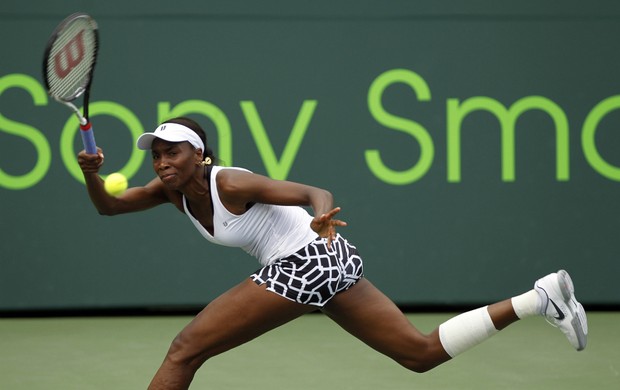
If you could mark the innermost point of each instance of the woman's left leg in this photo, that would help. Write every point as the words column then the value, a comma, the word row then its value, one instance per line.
column 369, row 315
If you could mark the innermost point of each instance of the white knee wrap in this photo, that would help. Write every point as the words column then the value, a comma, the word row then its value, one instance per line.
column 464, row 331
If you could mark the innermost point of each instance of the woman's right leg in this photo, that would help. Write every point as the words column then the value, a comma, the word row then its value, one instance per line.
column 236, row 317
column 372, row 317
column 368, row 314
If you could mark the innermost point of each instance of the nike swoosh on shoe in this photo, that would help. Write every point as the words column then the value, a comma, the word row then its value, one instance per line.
column 560, row 316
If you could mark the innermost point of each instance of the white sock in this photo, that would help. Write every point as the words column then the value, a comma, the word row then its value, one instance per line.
column 527, row 304
column 466, row 330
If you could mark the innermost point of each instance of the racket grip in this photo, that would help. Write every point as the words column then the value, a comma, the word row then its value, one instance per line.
column 88, row 138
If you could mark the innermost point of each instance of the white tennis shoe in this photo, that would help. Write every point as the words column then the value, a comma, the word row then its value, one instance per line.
column 561, row 308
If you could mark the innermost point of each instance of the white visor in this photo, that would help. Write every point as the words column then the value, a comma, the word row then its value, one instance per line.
column 171, row 132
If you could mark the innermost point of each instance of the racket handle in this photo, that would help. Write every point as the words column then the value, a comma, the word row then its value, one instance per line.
column 88, row 138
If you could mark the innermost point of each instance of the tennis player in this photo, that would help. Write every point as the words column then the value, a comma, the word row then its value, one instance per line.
column 305, row 263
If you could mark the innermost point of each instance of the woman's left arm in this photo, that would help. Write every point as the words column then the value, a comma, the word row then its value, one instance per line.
column 239, row 188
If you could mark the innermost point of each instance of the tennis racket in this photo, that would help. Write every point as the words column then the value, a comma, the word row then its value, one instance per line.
column 68, row 65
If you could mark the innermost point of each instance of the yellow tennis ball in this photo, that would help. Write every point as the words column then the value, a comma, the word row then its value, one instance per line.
column 115, row 184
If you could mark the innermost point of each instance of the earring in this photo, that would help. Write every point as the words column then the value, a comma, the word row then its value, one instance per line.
column 206, row 162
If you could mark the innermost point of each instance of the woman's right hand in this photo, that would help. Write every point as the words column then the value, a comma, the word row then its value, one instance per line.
column 90, row 163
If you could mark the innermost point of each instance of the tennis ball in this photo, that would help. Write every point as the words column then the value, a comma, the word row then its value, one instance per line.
column 115, row 184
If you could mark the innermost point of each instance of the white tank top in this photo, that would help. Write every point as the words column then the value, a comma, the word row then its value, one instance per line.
column 267, row 232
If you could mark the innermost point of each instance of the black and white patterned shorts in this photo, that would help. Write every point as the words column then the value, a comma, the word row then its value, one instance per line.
column 314, row 274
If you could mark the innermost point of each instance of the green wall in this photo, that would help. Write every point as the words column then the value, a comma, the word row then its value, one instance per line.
column 473, row 146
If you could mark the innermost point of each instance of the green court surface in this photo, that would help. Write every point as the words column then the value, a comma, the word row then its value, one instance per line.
column 309, row 353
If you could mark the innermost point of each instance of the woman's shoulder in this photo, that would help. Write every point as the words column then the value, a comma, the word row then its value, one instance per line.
column 220, row 168
column 224, row 174
column 227, row 175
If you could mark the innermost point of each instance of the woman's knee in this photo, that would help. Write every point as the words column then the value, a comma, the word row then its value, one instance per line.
column 183, row 352
column 425, row 354
column 419, row 366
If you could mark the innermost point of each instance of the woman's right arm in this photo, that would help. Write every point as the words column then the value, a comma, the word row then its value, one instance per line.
column 134, row 199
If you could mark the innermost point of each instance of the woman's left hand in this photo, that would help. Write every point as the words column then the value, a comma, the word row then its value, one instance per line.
column 325, row 225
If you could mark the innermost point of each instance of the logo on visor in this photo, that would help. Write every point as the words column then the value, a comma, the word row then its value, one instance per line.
column 162, row 127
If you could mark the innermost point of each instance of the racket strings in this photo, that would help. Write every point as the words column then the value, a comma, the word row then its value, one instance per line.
column 71, row 59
